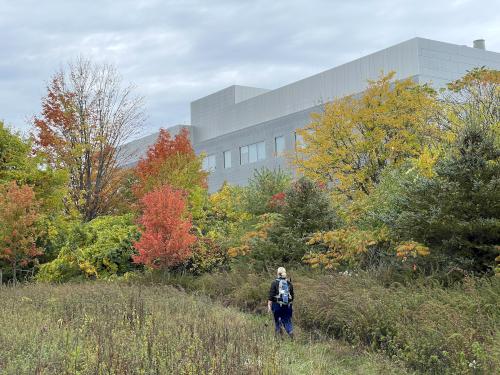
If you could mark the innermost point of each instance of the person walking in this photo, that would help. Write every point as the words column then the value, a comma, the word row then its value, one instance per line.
column 280, row 301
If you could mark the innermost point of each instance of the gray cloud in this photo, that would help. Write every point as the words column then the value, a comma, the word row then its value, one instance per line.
column 177, row 51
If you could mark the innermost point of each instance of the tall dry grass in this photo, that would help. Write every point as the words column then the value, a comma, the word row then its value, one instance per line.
column 429, row 328
column 111, row 329
column 115, row 328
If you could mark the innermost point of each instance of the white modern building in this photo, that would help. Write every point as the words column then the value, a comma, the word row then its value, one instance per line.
column 242, row 128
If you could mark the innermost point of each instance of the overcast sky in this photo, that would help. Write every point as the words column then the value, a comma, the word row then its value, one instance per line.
column 178, row 51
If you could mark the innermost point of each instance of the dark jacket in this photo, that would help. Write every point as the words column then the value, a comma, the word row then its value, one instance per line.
column 274, row 291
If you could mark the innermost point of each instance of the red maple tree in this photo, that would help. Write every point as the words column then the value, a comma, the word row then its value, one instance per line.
column 18, row 229
column 172, row 161
column 166, row 239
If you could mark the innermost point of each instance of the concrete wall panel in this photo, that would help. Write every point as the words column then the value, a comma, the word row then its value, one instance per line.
column 238, row 115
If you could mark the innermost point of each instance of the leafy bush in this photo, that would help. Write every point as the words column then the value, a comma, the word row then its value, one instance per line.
column 110, row 246
column 64, row 268
column 207, row 256
column 226, row 219
column 100, row 248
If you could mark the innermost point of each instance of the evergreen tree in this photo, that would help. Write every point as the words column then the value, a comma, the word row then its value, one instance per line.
column 457, row 212
column 305, row 210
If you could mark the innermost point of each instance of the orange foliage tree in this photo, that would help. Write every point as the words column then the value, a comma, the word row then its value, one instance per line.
column 18, row 229
column 166, row 239
column 87, row 115
column 170, row 161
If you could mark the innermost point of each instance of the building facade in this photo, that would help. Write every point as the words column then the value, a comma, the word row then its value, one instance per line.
column 240, row 128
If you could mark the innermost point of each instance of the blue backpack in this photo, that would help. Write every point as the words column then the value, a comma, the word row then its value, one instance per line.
column 283, row 296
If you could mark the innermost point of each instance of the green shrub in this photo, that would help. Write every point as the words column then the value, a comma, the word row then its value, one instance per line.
column 64, row 268
column 100, row 248
column 225, row 220
column 207, row 256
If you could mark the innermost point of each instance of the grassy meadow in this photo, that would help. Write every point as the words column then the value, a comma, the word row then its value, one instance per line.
column 112, row 328
column 424, row 326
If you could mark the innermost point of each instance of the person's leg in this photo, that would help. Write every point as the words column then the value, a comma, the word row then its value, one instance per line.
column 286, row 319
column 277, row 318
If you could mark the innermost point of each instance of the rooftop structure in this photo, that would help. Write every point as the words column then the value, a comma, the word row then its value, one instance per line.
column 242, row 128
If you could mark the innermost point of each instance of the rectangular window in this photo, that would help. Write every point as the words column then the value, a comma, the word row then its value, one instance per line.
column 279, row 145
column 227, row 159
column 261, row 151
column 252, row 153
column 209, row 163
column 244, row 155
column 299, row 140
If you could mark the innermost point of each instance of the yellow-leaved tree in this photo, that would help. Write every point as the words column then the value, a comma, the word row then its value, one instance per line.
column 349, row 145
column 474, row 99
column 356, row 137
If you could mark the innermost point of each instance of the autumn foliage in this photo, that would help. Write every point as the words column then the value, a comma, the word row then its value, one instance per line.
column 355, row 138
column 166, row 239
column 18, row 230
column 171, row 160
column 86, row 117
column 277, row 201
